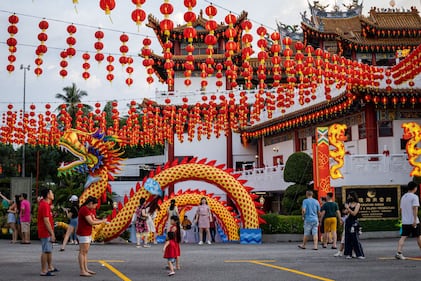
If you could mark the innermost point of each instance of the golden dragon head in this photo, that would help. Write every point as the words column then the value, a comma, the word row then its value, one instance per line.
column 94, row 152
column 337, row 132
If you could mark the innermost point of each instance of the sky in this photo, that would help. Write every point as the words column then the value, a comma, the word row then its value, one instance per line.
column 87, row 16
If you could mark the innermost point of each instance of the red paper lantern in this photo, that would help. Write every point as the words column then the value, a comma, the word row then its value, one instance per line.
column 138, row 16
column 107, row 6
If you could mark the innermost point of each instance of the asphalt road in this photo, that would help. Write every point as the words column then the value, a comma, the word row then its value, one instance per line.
column 233, row 262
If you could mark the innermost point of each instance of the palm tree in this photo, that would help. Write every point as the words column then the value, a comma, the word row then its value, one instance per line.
column 71, row 98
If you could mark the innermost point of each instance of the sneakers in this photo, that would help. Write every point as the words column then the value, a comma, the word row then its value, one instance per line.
column 338, row 254
column 171, row 273
column 361, row 258
column 201, row 243
column 146, row 246
column 348, row 257
column 400, row 256
column 209, row 242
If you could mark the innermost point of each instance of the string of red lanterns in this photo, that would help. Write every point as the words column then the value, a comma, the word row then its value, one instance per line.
column 12, row 42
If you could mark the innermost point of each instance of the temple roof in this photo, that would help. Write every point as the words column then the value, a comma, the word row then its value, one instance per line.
column 393, row 18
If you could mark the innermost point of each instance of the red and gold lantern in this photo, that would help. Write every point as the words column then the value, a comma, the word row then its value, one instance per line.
column 86, row 66
column 71, row 41
column 63, row 64
column 98, row 45
column 12, row 42
column 138, row 15
column 107, row 6
column 110, row 68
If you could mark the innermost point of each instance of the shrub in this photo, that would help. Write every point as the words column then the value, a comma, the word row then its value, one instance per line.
column 279, row 224
column 293, row 199
column 299, row 168
column 380, row 225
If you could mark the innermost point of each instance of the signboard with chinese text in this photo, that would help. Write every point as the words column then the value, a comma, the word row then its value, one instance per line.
column 377, row 202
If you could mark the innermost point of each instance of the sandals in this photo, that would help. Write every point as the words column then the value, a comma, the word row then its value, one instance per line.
column 301, row 247
column 48, row 274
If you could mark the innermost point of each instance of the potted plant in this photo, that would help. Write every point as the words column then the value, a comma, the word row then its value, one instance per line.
column 3, row 225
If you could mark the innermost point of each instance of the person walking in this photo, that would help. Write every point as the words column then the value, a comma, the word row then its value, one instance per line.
column 25, row 218
column 170, row 251
column 310, row 212
column 176, row 229
column 86, row 219
column 172, row 211
column 203, row 219
column 352, row 228
column 46, row 232
column 11, row 217
column 212, row 228
column 330, row 215
column 72, row 214
column 142, row 231
column 151, row 210
column 410, row 220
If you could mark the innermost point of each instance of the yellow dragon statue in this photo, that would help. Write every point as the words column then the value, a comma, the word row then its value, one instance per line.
column 336, row 135
column 412, row 133
column 96, row 154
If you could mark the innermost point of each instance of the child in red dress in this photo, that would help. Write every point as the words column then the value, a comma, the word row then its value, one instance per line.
column 170, row 251
column 176, row 229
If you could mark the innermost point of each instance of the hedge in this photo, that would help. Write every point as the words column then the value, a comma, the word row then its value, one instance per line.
column 280, row 224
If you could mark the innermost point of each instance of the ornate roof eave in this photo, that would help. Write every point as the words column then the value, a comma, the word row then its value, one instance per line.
column 396, row 44
column 308, row 110
column 306, row 26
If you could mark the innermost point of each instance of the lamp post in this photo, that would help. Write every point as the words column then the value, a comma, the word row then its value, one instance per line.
column 25, row 68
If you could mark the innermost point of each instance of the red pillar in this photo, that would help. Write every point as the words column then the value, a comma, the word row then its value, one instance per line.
column 229, row 160
column 297, row 141
column 373, row 59
column 371, row 129
column 260, row 162
column 171, row 158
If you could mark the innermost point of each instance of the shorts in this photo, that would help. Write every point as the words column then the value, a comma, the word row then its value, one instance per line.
column 409, row 230
column 25, row 226
column 310, row 228
column 330, row 224
column 46, row 245
column 11, row 218
column 343, row 237
column 172, row 260
column 73, row 223
column 84, row 239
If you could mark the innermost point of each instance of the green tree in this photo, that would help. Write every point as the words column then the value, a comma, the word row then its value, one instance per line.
column 299, row 170
column 71, row 98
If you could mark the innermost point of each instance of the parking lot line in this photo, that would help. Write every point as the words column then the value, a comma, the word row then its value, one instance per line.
column 267, row 264
column 114, row 270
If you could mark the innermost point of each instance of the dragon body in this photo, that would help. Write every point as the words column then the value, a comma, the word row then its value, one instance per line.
column 412, row 133
column 97, row 156
column 336, row 135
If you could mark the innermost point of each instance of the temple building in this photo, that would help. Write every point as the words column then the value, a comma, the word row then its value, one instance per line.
column 380, row 38
column 374, row 104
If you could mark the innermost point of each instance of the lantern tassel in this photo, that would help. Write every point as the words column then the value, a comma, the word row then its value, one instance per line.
column 76, row 9
column 111, row 20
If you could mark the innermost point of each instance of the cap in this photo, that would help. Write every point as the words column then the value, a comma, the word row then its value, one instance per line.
column 73, row 198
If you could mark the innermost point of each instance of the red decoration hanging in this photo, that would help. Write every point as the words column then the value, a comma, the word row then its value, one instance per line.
column 63, row 64
column 166, row 26
column 210, row 40
column 189, row 34
column 262, row 56
column 231, row 48
column 71, row 41
column 276, row 59
column 12, row 42
column 123, row 48
column 107, row 6
column 246, row 52
column 147, row 61
column 138, row 15
column 110, row 68
column 98, row 45
column 41, row 49
column 129, row 70
column 86, row 66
